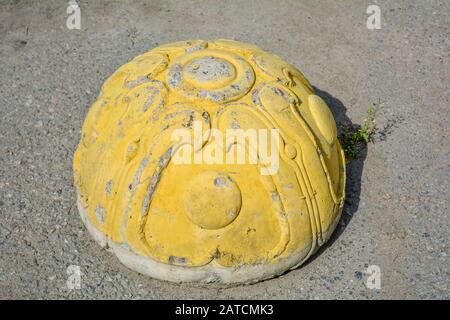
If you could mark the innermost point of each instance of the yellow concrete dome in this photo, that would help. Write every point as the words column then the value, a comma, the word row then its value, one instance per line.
column 209, row 162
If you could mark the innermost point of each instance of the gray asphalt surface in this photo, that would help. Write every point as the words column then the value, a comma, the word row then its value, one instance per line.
column 397, row 212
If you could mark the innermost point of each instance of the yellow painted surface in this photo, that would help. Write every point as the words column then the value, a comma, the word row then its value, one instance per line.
column 193, row 214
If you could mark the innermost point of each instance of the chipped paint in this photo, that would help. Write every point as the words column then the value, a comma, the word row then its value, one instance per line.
column 218, row 220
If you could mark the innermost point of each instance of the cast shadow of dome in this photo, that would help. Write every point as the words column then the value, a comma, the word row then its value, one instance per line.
column 354, row 171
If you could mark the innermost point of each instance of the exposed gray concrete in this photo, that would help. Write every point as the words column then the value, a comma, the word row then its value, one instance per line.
column 396, row 215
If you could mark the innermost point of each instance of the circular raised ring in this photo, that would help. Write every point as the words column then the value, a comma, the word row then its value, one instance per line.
column 211, row 75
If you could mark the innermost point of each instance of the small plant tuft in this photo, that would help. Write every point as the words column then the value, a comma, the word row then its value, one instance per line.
column 354, row 138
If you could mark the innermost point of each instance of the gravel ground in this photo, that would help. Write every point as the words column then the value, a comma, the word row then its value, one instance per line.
column 396, row 214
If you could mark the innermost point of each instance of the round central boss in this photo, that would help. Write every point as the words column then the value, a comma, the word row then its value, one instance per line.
column 209, row 72
column 212, row 200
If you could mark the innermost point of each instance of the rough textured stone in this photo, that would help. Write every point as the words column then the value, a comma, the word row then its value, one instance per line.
column 210, row 217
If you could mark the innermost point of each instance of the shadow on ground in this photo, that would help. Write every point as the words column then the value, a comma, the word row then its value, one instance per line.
column 354, row 170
